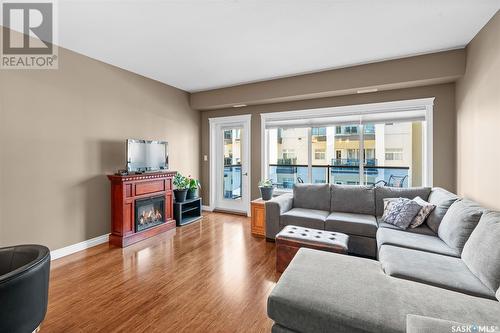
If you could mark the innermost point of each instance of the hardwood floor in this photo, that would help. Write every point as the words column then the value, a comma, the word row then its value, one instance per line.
column 211, row 276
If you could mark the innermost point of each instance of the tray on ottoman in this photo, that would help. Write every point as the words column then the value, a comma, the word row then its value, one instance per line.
column 292, row 238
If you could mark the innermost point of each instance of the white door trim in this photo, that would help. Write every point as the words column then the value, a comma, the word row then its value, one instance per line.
column 214, row 124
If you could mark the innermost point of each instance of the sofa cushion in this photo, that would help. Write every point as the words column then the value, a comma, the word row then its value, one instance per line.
column 302, row 217
column 411, row 240
column 326, row 292
column 353, row 199
column 442, row 199
column 459, row 222
column 352, row 224
column 311, row 196
column 423, row 324
column 482, row 251
column 423, row 229
column 433, row 269
column 396, row 192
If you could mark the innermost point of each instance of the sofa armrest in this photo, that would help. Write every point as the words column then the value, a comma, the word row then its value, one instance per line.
column 274, row 208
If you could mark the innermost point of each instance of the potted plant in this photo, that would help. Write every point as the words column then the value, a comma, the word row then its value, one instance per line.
column 181, row 184
column 266, row 189
column 194, row 186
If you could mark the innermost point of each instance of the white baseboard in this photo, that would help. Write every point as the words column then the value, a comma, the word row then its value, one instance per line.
column 70, row 249
column 206, row 208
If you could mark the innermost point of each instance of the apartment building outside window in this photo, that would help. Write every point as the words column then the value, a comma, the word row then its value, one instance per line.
column 347, row 154
column 394, row 154
column 319, row 154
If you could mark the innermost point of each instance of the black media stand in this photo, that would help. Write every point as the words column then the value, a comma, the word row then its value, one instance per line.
column 187, row 211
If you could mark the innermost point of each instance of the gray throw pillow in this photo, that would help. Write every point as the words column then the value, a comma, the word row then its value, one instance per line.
column 402, row 212
column 481, row 253
column 442, row 199
column 425, row 210
column 459, row 222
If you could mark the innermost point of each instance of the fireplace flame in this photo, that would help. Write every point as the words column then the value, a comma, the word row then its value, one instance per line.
column 148, row 216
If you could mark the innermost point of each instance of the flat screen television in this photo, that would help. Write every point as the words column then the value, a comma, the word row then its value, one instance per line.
column 146, row 155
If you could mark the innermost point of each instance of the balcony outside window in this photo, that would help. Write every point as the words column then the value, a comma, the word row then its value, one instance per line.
column 390, row 155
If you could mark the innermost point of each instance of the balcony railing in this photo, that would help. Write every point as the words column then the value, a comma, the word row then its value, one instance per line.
column 232, row 181
column 285, row 176
column 352, row 162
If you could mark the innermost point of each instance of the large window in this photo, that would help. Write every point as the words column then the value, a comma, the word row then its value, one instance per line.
column 288, row 156
column 373, row 153
column 386, row 143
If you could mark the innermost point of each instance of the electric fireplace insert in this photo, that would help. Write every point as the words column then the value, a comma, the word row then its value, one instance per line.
column 149, row 212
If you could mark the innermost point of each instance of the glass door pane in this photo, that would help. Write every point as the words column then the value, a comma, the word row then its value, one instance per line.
column 232, row 181
column 288, row 157
column 345, row 148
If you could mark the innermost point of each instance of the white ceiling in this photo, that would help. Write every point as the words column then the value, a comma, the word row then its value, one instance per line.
column 204, row 44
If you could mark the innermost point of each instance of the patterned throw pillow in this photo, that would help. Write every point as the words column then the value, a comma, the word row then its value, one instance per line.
column 388, row 203
column 426, row 209
column 402, row 212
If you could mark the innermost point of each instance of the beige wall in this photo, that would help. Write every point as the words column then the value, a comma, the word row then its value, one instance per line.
column 444, row 128
column 62, row 131
column 422, row 70
column 478, row 119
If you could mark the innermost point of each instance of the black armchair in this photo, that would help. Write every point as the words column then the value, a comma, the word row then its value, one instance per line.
column 24, row 287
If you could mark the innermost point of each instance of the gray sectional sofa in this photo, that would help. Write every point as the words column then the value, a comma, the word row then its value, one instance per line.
column 352, row 210
column 436, row 275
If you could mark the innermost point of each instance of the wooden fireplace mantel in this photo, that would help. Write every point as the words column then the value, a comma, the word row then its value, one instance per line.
column 124, row 191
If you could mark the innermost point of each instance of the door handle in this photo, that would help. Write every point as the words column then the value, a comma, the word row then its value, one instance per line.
column 245, row 174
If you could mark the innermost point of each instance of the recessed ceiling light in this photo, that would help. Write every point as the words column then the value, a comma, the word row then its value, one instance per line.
column 369, row 90
column 239, row 105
